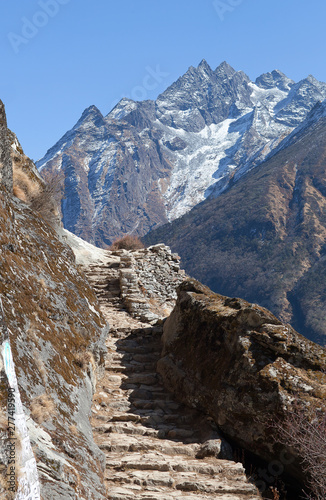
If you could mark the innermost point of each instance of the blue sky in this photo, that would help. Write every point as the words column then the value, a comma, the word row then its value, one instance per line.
column 60, row 56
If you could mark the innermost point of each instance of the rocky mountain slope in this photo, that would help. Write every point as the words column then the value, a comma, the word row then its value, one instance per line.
column 146, row 163
column 52, row 347
column 264, row 238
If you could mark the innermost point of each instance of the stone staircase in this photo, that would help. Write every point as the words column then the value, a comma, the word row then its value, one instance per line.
column 106, row 283
column 156, row 448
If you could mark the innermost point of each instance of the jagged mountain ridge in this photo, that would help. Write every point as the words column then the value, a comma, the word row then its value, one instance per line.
column 264, row 238
column 147, row 163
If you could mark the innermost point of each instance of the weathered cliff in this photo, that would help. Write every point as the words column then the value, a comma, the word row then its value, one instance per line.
column 241, row 365
column 5, row 151
column 52, row 326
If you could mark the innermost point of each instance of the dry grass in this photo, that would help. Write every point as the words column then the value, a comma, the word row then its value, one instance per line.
column 20, row 193
column 24, row 186
column 84, row 359
column 3, row 420
column 73, row 429
column 128, row 242
column 40, row 197
column 42, row 408
column 4, row 492
column 41, row 367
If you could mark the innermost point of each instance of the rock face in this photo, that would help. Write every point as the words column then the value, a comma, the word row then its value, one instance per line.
column 146, row 163
column 5, row 158
column 56, row 335
column 241, row 365
column 57, row 338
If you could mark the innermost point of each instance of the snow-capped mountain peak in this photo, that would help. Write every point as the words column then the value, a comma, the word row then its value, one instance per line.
column 149, row 162
column 275, row 79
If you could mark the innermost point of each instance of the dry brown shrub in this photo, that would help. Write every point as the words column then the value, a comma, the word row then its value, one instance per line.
column 73, row 429
column 41, row 367
column 307, row 435
column 127, row 242
column 42, row 408
column 45, row 204
column 3, row 420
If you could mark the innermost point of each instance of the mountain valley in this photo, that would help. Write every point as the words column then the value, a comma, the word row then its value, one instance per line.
column 263, row 239
column 164, row 366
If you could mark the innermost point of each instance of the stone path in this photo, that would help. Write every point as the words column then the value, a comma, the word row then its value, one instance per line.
column 156, row 448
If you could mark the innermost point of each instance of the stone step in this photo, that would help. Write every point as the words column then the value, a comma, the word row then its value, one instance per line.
column 127, row 428
column 142, row 478
column 218, row 488
column 116, row 368
column 129, row 367
column 142, row 349
column 118, row 493
column 104, row 285
column 152, row 404
column 143, row 378
column 185, row 467
column 175, row 479
column 178, row 482
column 115, row 444
column 130, row 428
column 132, row 366
column 107, row 295
column 157, row 392
column 143, row 358
column 126, row 417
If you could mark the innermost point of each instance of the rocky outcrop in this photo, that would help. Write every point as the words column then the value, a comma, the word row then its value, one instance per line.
column 57, row 342
column 56, row 337
column 5, row 152
column 241, row 365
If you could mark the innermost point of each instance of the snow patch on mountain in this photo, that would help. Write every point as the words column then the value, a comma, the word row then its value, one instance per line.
column 199, row 165
column 122, row 109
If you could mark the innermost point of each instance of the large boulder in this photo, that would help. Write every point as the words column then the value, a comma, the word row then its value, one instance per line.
column 242, row 366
